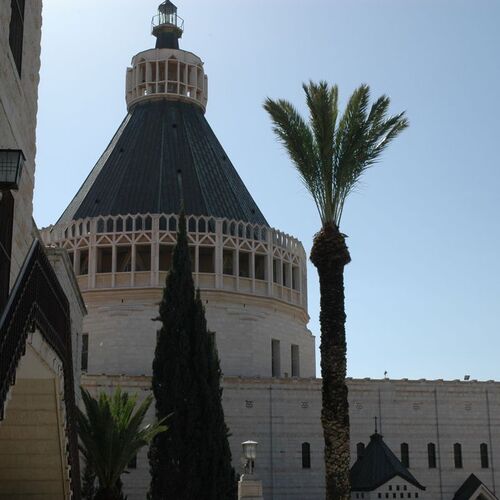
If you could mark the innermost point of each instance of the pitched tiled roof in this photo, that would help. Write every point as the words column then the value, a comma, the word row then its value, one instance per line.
column 377, row 466
column 164, row 153
column 469, row 487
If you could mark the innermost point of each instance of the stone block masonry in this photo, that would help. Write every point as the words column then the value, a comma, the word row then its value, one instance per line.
column 282, row 414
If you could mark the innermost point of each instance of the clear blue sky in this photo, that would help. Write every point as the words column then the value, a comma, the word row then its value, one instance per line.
column 423, row 288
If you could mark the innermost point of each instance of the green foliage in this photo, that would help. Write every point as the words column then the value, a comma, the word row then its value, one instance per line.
column 331, row 157
column 193, row 460
column 111, row 433
column 88, row 482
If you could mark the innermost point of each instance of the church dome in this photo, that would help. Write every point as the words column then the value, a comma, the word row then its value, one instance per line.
column 121, row 228
column 165, row 155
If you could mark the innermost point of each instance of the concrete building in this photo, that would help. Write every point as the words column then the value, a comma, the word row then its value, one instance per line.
column 119, row 232
column 41, row 308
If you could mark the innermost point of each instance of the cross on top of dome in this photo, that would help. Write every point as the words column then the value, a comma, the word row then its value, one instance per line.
column 167, row 26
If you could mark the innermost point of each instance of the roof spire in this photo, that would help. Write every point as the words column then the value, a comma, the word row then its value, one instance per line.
column 167, row 26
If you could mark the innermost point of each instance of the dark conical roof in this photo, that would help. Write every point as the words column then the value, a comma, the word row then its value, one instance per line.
column 377, row 466
column 470, row 488
column 163, row 154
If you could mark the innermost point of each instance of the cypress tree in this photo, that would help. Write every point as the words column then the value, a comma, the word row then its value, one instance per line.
column 191, row 460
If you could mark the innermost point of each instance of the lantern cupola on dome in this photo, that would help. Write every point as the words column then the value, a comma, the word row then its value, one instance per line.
column 167, row 26
column 167, row 72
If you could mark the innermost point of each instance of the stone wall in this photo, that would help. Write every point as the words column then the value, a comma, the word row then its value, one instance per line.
column 33, row 457
column 282, row 414
column 122, row 335
column 18, row 108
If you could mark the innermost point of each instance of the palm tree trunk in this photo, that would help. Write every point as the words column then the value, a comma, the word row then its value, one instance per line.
column 330, row 254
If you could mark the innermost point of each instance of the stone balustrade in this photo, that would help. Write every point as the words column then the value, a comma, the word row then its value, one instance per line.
column 135, row 251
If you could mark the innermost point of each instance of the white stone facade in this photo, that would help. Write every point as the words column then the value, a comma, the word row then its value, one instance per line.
column 167, row 74
column 395, row 488
column 121, row 264
column 283, row 414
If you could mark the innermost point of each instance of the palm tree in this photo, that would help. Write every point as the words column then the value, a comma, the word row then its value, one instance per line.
column 111, row 433
column 331, row 155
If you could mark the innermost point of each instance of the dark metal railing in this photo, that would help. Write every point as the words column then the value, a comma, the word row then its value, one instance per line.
column 167, row 19
column 37, row 301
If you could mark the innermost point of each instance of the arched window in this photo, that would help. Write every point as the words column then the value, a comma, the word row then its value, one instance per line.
column 484, row 456
column 306, row 456
column 405, row 454
column 360, row 450
column 431, row 455
column 457, row 453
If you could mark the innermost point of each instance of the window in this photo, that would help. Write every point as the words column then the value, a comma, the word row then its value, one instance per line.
column 244, row 261
column 431, row 455
column 260, row 267
column 6, row 222
column 192, row 257
column 206, row 260
column 83, row 262
column 228, row 262
column 165, row 257
column 306, row 456
column 71, row 257
column 133, row 463
column 16, row 32
column 104, row 260
column 85, row 352
column 123, row 259
column 295, row 278
column 360, row 450
column 143, row 258
column 285, row 270
column 457, row 454
column 275, row 358
column 276, row 271
column 405, row 454
column 295, row 361
column 484, row 456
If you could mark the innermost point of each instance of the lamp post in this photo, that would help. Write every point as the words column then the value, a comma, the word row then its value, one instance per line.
column 249, row 487
column 250, row 453
column 11, row 168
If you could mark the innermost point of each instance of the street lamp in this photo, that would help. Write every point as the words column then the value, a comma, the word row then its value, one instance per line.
column 11, row 167
column 250, row 453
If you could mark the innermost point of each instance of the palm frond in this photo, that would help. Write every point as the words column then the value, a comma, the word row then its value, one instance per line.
column 111, row 432
column 331, row 157
column 297, row 138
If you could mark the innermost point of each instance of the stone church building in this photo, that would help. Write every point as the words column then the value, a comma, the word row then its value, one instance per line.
column 41, row 308
column 441, row 439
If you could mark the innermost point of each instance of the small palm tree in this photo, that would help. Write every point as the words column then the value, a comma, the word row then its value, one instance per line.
column 111, row 433
column 331, row 155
